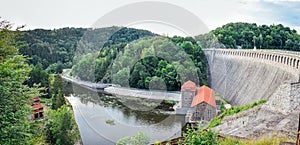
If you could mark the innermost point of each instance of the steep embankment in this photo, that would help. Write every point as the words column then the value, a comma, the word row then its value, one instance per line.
column 243, row 80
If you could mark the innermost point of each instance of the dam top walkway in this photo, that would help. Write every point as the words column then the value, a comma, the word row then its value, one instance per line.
column 286, row 59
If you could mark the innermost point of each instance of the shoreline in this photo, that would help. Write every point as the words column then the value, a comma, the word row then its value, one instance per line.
column 127, row 92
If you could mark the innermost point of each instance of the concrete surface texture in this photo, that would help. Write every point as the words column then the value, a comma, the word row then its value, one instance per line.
column 246, row 76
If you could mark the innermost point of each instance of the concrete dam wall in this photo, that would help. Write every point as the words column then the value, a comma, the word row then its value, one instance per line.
column 245, row 76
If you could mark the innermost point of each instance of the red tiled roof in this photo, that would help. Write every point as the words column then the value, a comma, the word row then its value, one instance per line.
column 188, row 84
column 204, row 94
column 37, row 106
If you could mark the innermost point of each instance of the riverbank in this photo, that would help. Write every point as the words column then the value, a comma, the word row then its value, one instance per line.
column 79, row 142
column 126, row 92
column 146, row 94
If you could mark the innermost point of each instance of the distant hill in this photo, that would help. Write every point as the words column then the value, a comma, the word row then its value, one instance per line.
column 55, row 49
column 245, row 35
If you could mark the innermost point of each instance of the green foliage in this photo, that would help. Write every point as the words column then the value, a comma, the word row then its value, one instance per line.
column 14, row 96
column 246, row 35
column 41, row 77
column 60, row 127
column 85, row 68
column 209, row 40
column 56, row 67
column 138, row 139
column 57, row 92
column 228, row 102
column 222, row 107
column 199, row 137
column 233, row 110
column 55, row 49
column 274, row 140
column 151, row 63
column 110, row 122
column 170, row 102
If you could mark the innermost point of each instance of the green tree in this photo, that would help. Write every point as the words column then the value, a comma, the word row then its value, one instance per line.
column 121, row 77
column 14, row 96
column 57, row 92
column 39, row 76
column 60, row 127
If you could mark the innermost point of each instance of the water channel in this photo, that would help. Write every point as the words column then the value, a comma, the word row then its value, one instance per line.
column 104, row 119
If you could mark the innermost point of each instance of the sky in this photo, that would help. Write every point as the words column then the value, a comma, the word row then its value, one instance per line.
column 213, row 13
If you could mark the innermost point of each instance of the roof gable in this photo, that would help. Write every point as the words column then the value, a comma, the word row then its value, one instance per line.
column 189, row 85
column 37, row 106
column 204, row 94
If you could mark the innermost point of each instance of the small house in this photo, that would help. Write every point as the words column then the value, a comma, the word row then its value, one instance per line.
column 197, row 104
column 37, row 110
column 203, row 107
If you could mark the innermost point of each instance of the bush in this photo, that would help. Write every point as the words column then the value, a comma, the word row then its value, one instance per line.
column 60, row 127
column 199, row 137
column 138, row 139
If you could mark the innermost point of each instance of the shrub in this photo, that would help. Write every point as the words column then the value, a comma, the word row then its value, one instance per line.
column 199, row 137
column 138, row 139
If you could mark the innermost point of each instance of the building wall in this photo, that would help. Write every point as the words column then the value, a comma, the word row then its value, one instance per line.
column 187, row 98
column 203, row 112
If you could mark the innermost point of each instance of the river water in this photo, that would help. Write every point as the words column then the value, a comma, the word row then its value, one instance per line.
column 104, row 119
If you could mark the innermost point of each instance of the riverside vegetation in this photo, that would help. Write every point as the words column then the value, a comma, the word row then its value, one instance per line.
column 19, row 83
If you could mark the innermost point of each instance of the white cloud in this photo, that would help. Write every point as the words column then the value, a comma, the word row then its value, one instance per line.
column 214, row 13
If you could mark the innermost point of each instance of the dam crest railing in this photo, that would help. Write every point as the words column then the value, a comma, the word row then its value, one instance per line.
column 288, row 59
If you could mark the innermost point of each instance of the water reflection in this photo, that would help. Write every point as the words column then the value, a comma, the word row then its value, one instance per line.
column 92, row 110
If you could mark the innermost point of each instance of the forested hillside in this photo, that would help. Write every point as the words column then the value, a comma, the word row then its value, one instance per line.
column 55, row 49
column 146, row 63
column 246, row 35
column 18, row 81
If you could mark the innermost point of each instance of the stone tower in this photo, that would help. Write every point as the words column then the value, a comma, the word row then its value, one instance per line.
column 188, row 91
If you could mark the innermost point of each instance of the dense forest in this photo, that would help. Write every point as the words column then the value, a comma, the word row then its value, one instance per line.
column 56, row 49
column 248, row 35
column 98, row 54
column 146, row 64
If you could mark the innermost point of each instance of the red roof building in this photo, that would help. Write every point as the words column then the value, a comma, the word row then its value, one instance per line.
column 204, row 94
column 198, row 103
column 37, row 110
column 189, row 85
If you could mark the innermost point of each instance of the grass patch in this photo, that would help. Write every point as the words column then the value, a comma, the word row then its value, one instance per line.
column 233, row 110
column 110, row 122
column 262, row 141
column 170, row 102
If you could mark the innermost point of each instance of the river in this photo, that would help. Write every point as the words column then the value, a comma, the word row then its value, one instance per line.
column 127, row 116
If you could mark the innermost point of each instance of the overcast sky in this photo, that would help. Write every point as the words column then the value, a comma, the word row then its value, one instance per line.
column 84, row 13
